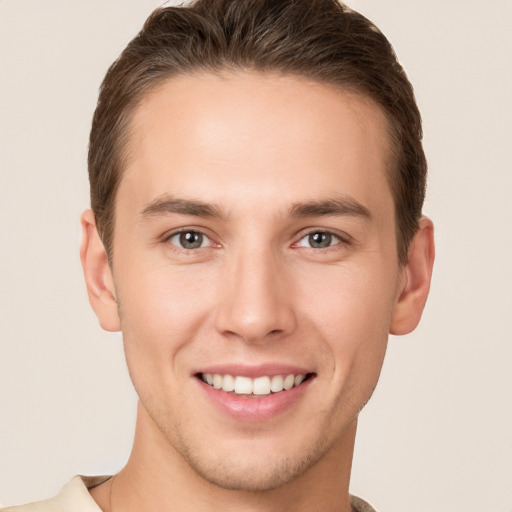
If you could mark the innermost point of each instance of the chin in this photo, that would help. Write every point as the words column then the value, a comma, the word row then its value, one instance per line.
column 254, row 476
column 253, row 465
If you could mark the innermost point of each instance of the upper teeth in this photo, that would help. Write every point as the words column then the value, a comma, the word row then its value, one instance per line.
column 247, row 386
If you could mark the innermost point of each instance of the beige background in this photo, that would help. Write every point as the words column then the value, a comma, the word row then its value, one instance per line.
column 437, row 435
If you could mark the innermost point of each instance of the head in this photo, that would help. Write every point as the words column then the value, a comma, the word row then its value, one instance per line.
column 257, row 178
column 320, row 40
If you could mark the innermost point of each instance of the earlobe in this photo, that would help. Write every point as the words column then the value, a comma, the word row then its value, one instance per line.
column 98, row 274
column 416, row 276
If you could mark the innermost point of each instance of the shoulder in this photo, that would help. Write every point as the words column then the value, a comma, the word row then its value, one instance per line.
column 74, row 496
column 359, row 505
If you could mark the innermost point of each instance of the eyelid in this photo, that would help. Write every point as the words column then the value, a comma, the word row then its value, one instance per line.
column 344, row 238
column 166, row 237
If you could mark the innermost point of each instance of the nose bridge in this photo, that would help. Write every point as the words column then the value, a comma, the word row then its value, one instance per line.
column 254, row 301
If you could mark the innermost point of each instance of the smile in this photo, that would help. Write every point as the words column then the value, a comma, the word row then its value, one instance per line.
column 258, row 386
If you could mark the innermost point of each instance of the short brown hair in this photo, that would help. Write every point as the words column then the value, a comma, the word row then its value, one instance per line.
column 322, row 40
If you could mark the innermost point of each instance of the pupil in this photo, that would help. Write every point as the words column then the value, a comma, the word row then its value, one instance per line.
column 191, row 240
column 320, row 240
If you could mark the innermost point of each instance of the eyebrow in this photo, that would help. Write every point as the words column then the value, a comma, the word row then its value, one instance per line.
column 334, row 207
column 339, row 206
column 166, row 204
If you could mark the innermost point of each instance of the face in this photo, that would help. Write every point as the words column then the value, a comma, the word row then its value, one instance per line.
column 255, row 269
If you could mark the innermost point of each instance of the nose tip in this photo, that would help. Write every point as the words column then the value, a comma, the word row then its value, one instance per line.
column 255, row 303
column 254, row 325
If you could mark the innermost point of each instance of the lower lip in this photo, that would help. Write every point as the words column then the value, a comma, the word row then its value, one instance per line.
column 254, row 408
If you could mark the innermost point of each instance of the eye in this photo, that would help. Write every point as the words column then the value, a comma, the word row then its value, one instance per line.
column 189, row 239
column 319, row 240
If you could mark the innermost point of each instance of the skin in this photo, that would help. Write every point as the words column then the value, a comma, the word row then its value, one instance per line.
column 253, row 148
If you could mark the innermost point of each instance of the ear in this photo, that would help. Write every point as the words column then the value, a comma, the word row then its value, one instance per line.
column 415, row 280
column 98, row 275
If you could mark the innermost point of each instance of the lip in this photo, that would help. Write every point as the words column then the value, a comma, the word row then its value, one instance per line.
column 253, row 408
column 269, row 370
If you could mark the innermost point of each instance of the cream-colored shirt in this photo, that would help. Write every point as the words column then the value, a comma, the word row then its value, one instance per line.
column 75, row 497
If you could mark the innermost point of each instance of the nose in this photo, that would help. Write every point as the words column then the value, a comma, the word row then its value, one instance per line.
column 255, row 298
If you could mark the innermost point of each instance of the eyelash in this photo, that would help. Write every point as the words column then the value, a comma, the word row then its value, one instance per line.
column 338, row 240
column 201, row 238
column 183, row 232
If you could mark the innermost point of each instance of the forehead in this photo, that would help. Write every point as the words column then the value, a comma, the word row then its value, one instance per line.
column 257, row 136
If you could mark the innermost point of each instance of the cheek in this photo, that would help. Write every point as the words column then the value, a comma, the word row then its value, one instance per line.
column 162, row 309
column 351, row 308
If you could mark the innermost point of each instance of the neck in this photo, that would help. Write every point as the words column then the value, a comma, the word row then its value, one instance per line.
column 157, row 478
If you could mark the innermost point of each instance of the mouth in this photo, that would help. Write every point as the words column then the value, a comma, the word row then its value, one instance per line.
column 254, row 387
column 255, row 393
